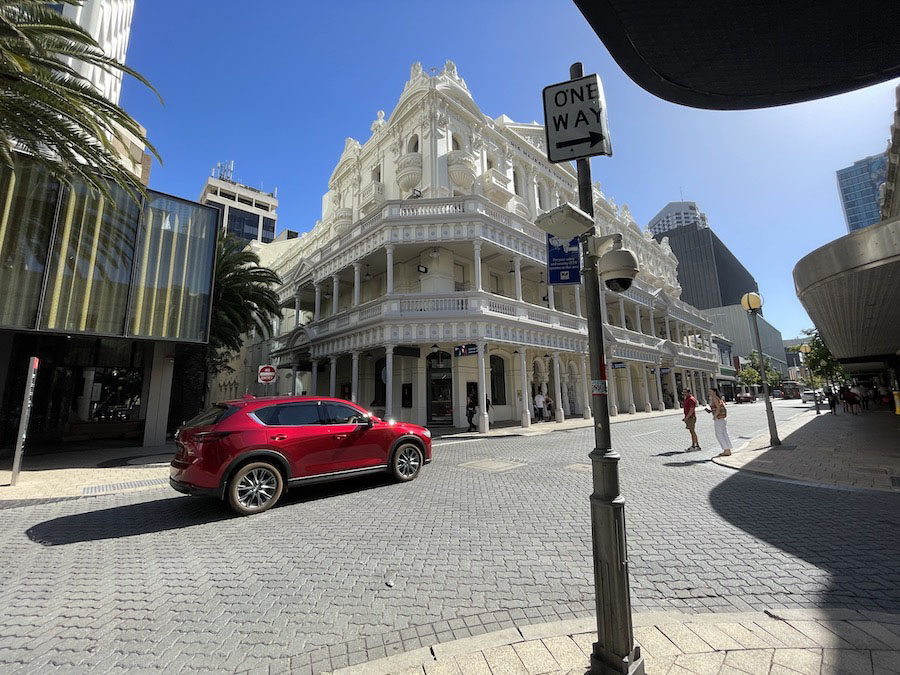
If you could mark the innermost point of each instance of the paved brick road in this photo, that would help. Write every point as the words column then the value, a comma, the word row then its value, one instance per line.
column 157, row 580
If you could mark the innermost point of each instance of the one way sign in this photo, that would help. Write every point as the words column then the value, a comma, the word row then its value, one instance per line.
column 575, row 120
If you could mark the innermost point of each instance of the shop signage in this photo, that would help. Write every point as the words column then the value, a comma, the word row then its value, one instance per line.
column 618, row 364
column 465, row 350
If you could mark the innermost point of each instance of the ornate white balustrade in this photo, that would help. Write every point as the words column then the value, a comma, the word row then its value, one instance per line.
column 372, row 196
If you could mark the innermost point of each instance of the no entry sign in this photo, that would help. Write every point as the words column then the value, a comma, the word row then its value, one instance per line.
column 575, row 120
column 266, row 374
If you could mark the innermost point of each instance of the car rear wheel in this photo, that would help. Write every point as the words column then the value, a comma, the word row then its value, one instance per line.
column 407, row 462
column 255, row 488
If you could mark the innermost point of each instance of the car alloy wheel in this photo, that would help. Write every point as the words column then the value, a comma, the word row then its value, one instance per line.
column 255, row 488
column 407, row 462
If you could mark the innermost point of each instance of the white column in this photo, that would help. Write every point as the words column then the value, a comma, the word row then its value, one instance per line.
column 356, row 270
column 314, row 379
column 646, row 391
column 612, row 389
column 297, row 295
column 526, row 391
column 293, row 380
column 629, row 390
column 568, row 406
column 622, row 311
column 586, row 388
column 476, row 246
column 318, row 311
column 660, row 404
column 390, row 268
column 332, row 388
column 517, row 261
column 668, row 332
column 651, row 322
column 159, row 394
column 336, row 290
column 578, row 301
column 557, row 390
column 388, row 380
column 678, row 333
column 673, row 385
column 604, row 312
column 551, row 300
column 354, row 377
column 482, row 393
column 637, row 317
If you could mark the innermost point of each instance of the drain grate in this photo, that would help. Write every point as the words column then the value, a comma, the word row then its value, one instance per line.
column 113, row 487
column 493, row 465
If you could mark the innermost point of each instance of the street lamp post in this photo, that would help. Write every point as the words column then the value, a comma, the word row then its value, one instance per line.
column 753, row 303
column 805, row 349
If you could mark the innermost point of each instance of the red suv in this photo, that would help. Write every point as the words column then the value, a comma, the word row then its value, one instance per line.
column 250, row 451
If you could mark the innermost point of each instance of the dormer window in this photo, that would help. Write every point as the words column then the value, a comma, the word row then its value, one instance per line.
column 413, row 145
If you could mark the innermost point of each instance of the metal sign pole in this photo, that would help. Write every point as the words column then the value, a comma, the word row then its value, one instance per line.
column 23, row 420
column 614, row 651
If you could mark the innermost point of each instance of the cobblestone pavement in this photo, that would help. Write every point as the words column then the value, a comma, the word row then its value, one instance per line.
column 348, row 572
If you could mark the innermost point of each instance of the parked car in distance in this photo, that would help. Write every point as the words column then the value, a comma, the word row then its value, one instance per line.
column 741, row 397
column 250, row 452
column 810, row 396
column 777, row 393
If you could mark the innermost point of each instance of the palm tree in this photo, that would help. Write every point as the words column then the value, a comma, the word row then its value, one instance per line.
column 243, row 298
column 51, row 111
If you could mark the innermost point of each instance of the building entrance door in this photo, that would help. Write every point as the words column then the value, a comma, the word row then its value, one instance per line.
column 440, row 390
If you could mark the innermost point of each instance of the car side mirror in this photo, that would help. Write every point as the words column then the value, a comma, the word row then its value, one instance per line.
column 369, row 421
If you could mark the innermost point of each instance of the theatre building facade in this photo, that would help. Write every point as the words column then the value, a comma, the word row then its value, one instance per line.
column 102, row 290
column 424, row 281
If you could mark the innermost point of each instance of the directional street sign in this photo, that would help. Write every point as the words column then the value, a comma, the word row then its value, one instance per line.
column 575, row 120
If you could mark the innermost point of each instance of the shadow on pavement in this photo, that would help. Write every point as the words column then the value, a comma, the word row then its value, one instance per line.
column 688, row 462
column 175, row 513
column 852, row 535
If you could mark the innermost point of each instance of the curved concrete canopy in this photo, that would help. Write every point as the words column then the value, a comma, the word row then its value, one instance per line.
column 851, row 290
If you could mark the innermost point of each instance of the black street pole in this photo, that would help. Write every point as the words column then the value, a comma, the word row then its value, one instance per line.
column 615, row 651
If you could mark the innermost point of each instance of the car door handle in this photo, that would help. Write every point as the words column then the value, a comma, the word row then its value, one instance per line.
column 340, row 437
column 279, row 437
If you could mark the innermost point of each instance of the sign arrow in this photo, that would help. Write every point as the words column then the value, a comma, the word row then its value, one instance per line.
column 593, row 138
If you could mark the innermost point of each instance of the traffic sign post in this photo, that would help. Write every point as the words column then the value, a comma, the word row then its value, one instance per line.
column 575, row 120
column 267, row 374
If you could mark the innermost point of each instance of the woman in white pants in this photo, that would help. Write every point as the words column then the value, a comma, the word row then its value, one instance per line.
column 717, row 408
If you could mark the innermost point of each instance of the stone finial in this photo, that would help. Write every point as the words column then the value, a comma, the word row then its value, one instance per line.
column 379, row 122
column 450, row 69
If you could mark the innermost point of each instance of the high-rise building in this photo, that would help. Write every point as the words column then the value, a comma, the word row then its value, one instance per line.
column 859, row 186
column 676, row 214
column 109, row 23
column 710, row 275
column 247, row 213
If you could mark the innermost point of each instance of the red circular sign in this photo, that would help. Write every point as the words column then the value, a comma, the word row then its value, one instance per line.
column 266, row 374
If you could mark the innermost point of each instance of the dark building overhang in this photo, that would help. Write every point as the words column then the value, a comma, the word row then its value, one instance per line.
column 748, row 54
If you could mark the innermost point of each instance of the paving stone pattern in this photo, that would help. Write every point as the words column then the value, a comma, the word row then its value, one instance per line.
column 356, row 570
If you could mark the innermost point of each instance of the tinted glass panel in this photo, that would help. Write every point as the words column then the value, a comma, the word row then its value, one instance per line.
column 291, row 414
column 336, row 413
column 90, row 266
column 27, row 206
column 212, row 415
column 173, row 274
column 242, row 223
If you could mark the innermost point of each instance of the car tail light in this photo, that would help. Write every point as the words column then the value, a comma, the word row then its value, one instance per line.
column 209, row 436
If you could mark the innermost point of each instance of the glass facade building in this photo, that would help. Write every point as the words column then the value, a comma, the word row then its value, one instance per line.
column 859, row 186
column 76, row 262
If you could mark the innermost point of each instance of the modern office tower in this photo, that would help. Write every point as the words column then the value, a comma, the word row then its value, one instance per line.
column 109, row 23
column 676, row 214
column 859, row 186
column 709, row 273
column 247, row 213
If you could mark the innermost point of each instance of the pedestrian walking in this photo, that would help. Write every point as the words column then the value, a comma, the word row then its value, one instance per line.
column 690, row 419
column 717, row 408
column 832, row 401
column 539, row 407
column 548, row 406
column 845, row 393
column 853, row 402
column 470, row 413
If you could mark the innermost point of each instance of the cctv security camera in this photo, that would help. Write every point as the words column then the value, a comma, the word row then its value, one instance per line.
column 618, row 269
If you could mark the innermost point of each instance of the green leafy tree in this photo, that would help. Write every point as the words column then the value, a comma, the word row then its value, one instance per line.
column 773, row 377
column 749, row 376
column 244, row 297
column 820, row 362
column 51, row 111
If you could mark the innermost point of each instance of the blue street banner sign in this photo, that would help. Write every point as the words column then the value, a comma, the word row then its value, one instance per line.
column 563, row 261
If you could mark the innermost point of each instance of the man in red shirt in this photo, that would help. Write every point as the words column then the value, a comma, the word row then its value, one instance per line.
column 690, row 418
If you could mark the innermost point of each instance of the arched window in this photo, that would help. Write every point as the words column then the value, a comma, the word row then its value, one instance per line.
column 542, row 200
column 498, row 381
column 376, row 174
column 454, row 143
column 517, row 182
column 413, row 145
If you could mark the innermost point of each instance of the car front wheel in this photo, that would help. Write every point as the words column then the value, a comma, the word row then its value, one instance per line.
column 255, row 488
column 407, row 462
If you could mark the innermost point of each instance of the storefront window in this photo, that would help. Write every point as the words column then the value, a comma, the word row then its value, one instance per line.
column 27, row 207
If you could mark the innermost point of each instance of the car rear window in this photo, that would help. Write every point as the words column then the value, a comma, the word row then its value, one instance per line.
column 212, row 415
column 289, row 414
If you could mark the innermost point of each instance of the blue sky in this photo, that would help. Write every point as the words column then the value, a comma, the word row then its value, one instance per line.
column 278, row 89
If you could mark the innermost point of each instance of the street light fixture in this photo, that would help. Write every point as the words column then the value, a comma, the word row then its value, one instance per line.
column 753, row 302
column 805, row 349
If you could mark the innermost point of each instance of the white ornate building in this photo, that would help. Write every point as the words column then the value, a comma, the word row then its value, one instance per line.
column 427, row 247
